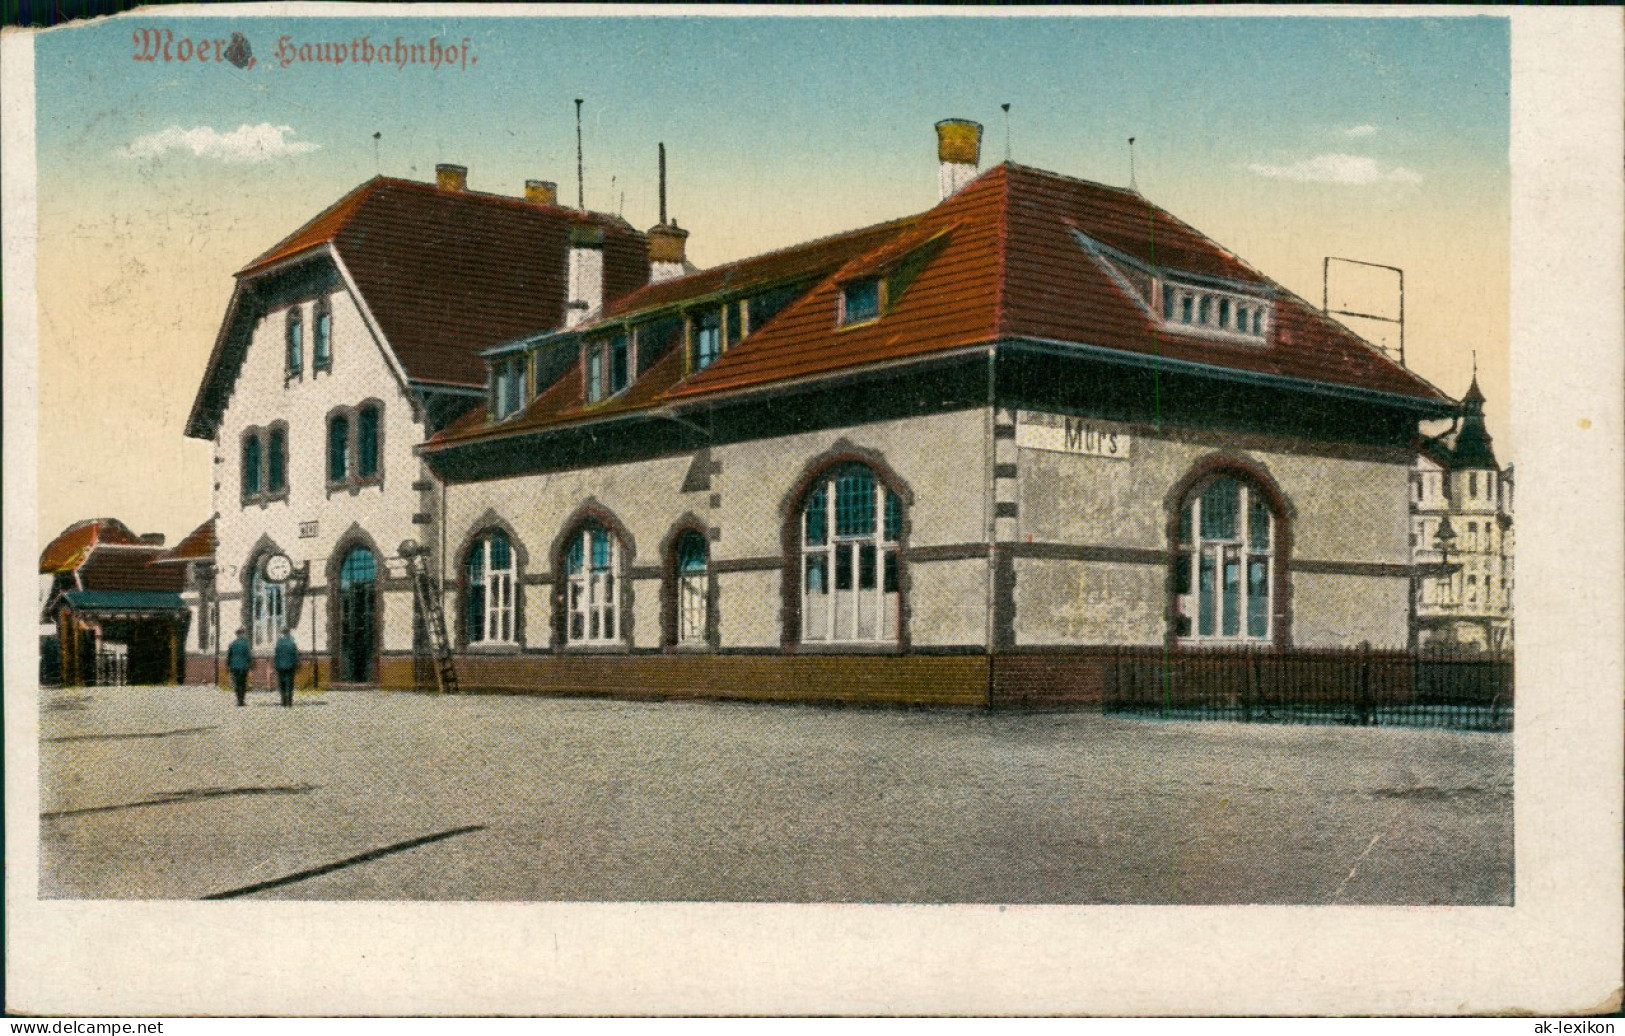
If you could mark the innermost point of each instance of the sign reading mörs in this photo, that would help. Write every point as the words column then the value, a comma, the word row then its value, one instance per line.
column 1061, row 434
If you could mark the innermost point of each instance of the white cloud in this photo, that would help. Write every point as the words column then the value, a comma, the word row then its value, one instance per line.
column 1338, row 168
column 245, row 144
column 1364, row 130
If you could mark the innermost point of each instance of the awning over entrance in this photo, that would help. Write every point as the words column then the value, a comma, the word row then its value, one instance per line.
column 124, row 604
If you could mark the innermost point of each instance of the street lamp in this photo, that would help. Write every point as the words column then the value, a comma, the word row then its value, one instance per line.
column 1443, row 540
column 209, row 606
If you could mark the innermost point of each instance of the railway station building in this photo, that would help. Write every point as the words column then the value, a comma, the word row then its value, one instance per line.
column 967, row 457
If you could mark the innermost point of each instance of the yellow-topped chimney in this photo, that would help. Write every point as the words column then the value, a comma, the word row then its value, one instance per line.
column 959, row 150
column 450, row 177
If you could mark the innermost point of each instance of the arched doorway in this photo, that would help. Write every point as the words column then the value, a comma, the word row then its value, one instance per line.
column 357, row 614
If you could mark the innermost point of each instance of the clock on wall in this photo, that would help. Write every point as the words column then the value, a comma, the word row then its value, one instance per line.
column 278, row 568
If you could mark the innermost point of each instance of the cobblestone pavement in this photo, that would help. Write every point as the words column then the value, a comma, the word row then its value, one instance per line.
column 175, row 793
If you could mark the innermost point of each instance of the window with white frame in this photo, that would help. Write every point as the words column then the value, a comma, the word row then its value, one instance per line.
column 693, row 587
column 608, row 366
column 850, row 525
column 1225, row 567
column 268, row 609
column 861, row 300
column 507, row 387
column 707, row 339
column 488, row 612
column 592, row 566
column 1189, row 307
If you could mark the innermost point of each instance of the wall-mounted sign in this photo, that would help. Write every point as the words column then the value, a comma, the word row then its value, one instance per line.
column 307, row 530
column 1061, row 434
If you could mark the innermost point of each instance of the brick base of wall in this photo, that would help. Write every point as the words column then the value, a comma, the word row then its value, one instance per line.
column 1043, row 679
column 902, row 680
column 1071, row 680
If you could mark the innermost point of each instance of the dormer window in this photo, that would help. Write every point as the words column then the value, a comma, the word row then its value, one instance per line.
column 608, row 367
column 1200, row 309
column 707, row 339
column 595, row 371
column 507, row 387
column 620, row 363
column 861, row 300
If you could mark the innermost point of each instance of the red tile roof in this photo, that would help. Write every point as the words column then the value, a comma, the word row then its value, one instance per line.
column 73, row 544
column 563, row 401
column 197, row 546
column 1005, row 262
column 446, row 274
column 799, row 262
column 117, row 567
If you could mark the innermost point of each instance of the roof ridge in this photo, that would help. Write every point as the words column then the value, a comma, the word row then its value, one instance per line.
column 799, row 246
column 1051, row 174
column 505, row 199
column 341, row 212
column 671, row 292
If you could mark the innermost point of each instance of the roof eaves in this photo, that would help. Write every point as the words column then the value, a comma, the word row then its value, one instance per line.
column 1442, row 407
column 651, row 410
column 353, row 196
column 202, row 422
column 377, row 330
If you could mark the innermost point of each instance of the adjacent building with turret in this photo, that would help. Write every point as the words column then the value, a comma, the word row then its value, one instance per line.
column 1462, row 537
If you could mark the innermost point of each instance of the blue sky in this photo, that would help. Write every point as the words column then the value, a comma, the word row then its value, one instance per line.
column 1284, row 138
column 1206, row 97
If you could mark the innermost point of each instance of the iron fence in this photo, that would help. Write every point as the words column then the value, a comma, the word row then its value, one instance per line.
column 1360, row 687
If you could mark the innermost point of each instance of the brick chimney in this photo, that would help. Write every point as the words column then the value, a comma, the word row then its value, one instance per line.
column 586, row 273
column 448, row 177
column 152, row 539
column 541, row 192
column 667, row 252
column 959, row 150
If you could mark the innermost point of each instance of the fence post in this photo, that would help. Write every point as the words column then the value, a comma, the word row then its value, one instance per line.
column 1249, row 686
column 1368, row 712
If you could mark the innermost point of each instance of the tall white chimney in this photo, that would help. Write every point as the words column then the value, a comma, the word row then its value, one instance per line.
column 959, row 150
column 586, row 273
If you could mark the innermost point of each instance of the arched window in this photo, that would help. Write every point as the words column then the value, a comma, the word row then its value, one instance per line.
column 322, row 346
column 338, row 448
column 592, row 564
column 849, row 564
column 366, row 461
column 693, row 587
column 276, row 467
column 296, row 340
column 251, row 464
column 1225, row 566
column 488, row 609
column 269, row 608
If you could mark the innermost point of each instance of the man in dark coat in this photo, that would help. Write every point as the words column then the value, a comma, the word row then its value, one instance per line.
column 287, row 660
column 238, row 659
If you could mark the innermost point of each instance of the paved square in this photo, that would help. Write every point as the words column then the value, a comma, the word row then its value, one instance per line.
column 175, row 793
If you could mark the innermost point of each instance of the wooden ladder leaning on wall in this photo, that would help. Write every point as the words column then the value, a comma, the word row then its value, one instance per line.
column 429, row 601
